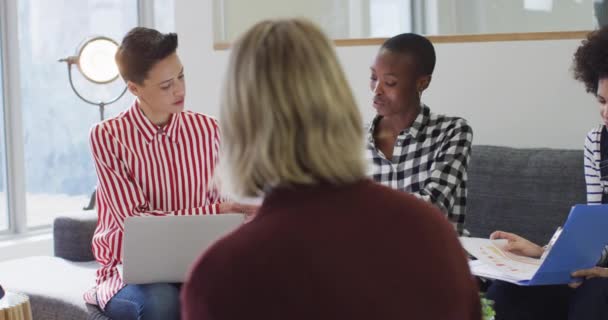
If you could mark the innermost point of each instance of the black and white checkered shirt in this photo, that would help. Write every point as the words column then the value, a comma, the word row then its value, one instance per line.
column 429, row 160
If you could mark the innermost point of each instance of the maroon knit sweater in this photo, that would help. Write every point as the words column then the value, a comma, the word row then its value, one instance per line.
column 361, row 251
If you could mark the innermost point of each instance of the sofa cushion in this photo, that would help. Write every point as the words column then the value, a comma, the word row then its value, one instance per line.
column 526, row 191
column 72, row 235
column 55, row 286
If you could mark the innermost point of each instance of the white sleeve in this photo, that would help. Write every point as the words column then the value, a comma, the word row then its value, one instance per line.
column 592, row 170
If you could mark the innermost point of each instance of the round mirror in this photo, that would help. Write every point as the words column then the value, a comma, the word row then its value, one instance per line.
column 96, row 60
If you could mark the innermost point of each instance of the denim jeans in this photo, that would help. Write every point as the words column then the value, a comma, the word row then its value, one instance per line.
column 145, row 302
column 588, row 302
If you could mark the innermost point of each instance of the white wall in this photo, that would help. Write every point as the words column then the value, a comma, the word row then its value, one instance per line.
column 513, row 93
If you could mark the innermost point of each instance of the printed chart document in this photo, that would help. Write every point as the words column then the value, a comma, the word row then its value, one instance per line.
column 495, row 263
column 577, row 246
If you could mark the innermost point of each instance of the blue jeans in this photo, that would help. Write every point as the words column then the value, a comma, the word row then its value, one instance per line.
column 145, row 302
column 588, row 302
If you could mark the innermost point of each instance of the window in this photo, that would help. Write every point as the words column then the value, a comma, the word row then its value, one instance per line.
column 59, row 171
column 49, row 147
column 50, row 144
column 390, row 17
column 164, row 15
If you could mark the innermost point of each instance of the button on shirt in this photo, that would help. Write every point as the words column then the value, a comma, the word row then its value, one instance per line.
column 429, row 160
column 146, row 170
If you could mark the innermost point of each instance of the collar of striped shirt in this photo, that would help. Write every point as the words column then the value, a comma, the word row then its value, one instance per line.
column 148, row 129
column 418, row 126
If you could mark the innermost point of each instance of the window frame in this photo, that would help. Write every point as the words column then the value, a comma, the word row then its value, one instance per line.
column 3, row 103
column 13, row 122
column 13, row 127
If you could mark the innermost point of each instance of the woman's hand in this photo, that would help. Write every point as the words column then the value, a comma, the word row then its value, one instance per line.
column 233, row 207
column 247, row 209
column 594, row 272
column 518, row 245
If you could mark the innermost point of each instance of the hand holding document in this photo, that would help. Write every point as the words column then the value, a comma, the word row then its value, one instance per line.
column 577, row 246
column 518, row 245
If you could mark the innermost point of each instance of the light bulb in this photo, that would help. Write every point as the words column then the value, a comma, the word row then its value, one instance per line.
column 96, row 60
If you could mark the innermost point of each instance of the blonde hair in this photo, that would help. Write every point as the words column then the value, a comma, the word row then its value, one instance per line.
column 288, row 116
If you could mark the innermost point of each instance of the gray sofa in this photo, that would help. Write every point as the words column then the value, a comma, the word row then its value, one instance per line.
column 55, row 285
column 527, row 191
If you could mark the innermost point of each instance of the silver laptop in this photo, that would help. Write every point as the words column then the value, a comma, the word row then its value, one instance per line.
column 162, row 249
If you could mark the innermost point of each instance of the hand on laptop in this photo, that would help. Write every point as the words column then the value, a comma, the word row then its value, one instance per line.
column 247, row 209
column 518, row 245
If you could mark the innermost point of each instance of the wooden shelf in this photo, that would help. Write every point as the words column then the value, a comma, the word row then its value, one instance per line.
column 495, row 37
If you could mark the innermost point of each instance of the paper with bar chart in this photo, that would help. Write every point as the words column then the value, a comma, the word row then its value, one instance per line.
column 496, row 263
column 577, row 246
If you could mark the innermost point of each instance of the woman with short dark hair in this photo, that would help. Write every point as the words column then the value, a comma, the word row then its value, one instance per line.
column 153, row 159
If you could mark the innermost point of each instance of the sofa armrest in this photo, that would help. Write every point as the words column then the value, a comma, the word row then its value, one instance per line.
column 72, row 236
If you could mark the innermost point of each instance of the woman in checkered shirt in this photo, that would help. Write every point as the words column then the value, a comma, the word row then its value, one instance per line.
column 409, row 148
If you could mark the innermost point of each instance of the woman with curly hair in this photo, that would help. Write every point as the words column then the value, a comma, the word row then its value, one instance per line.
column 586, row 299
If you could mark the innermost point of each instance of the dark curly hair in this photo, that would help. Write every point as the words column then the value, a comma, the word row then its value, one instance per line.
column 140, row 50
column 591, row 59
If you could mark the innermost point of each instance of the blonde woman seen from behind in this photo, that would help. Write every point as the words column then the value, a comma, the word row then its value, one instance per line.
column 327, row 243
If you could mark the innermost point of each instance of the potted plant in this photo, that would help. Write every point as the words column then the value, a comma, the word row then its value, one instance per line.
column 487, row 308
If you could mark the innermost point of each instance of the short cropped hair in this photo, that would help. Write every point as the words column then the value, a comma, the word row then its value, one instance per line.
column 140, row 50
column 288, row 115
column 591, row 59
column 418, row 47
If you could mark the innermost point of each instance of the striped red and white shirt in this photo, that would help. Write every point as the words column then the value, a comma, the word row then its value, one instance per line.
column 147, row 170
